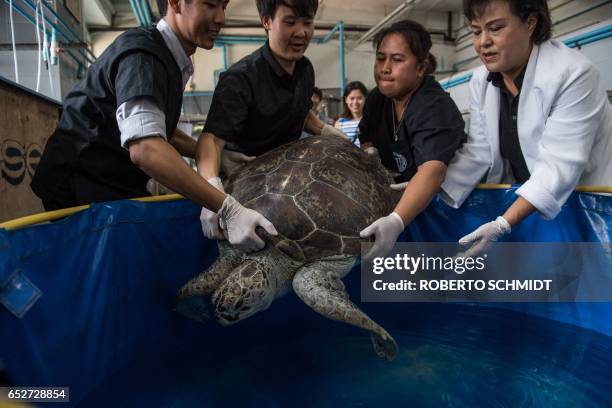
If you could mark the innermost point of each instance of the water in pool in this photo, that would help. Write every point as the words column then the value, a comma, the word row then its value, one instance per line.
column 450, row 355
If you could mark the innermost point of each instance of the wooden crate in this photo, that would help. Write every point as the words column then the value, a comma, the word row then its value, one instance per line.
column 26, row 122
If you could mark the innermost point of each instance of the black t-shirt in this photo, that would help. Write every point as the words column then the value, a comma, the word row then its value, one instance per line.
column 509, row 144
column 258, row 106
column 432, row 129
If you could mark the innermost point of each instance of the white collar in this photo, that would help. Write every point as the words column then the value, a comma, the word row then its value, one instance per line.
column 176, row 49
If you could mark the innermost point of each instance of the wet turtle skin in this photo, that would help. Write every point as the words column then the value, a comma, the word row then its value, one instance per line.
column 319, row 192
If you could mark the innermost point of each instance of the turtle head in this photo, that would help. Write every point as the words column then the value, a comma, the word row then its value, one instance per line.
column 249, row 289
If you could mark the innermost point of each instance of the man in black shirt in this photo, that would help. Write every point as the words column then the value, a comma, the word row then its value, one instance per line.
column 118, row 125
column 263, row 101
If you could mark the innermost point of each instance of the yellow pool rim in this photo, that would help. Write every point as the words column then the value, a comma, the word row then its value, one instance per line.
column 57, row 214
column 29, row 220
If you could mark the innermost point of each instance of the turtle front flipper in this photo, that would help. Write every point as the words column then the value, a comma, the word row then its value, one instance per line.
column 190, row 300
column 319, row 286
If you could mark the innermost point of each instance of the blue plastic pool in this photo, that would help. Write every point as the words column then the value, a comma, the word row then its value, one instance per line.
column 450, row 355
column 104, row 326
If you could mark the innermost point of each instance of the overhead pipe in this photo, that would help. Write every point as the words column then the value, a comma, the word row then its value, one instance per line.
column 145, row 10
column 342, row 69
column 58, row 18
column 374, row 30
column 224, row 55
column 587, row 38
column 329, row 35
column 235, row 39
column 198, row 93
column 136, row 11
column 260, row 39
column 223, row 41
column 31, row 20
column 53, row 25
column 16, row 64
column 142, row 11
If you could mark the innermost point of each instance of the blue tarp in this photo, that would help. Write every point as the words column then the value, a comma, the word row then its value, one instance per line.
column 107, row 278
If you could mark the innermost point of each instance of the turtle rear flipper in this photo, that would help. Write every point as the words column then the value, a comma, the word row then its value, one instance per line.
column 191, row 300
column 319, row 286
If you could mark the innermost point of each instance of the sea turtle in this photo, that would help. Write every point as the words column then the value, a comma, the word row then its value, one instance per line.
column 319, row 193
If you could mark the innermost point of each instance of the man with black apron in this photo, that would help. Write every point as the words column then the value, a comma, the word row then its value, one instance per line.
column 119, row 125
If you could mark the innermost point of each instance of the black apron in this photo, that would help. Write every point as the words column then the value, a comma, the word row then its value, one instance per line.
column 84, row 161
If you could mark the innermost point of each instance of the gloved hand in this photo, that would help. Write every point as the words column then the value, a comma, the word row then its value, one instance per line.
column 385, row 231
column 231, row 160
column 399, row 186
column 210, row 219
column 483, row 237
column 372, row 151
column 240, row 223
column 329, row 130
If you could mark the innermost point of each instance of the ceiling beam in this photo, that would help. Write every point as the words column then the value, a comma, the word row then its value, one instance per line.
column 106, row 9
column 399, row 10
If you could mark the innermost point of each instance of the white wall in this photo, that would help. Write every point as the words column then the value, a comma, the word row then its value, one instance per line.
column 100, row 40
column 27, row 61
column 599, row 52
column 204, row 64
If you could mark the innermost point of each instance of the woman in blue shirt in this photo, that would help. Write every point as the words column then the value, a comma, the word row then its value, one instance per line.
column 353, row 100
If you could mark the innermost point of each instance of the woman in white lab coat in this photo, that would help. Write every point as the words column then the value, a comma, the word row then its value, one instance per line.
column 539, row 116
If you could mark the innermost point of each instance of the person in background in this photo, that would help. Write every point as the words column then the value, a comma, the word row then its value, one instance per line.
column 118, row 127
column 317, row 108
column 539, row 116
column 412, row 122
column 316, row 98
column 353, row 100
column 263, row 101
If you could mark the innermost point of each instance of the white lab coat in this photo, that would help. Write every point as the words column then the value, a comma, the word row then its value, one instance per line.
column 564, row 128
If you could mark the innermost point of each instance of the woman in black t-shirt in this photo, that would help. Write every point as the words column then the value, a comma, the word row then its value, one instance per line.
column 411, row 122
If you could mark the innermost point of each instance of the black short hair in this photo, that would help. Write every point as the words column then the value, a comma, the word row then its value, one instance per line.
column 520, row 8
column 162, row 6
column 350, row 87
column 301, row 8
column 417, row 38
column 317, row 92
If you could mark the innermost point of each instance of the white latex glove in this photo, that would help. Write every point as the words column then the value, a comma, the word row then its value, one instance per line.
column 329, row 130
column 372, row 151
column 230, row 160
column 240, row 223
column 483, row 237
column 399, row 186
column 210, row 219
column 385, row 231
